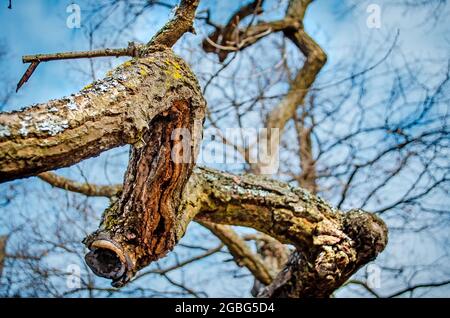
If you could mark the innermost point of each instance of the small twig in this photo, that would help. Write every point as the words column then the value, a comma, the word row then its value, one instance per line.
column 220, row 47
column 412, row 288
column 364, row 285
column 27, row 74
column 131, row 50
column 83, row 188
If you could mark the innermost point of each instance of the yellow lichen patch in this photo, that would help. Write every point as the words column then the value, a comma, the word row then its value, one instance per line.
column 127, row 64
column 176, row 75
column 150, row 59
column 173, row 69
column 176, row 65
column 143, row 71
column 88, row 86
column 129, row 85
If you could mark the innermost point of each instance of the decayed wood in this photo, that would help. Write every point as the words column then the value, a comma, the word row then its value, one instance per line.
column 140, row 225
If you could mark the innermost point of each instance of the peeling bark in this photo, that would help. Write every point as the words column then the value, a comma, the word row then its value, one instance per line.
column 140, row 226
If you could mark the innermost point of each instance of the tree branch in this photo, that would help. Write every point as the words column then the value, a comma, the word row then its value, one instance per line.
column 234, row 39
column 332, row 245
column 414, row 287
column 3, row 240
column 131, row 50
column 87, row 189
column 240, row 251
column 165, row 38
column 166, row 270
column 237, row 246
column 106, row 114
column 180, row 24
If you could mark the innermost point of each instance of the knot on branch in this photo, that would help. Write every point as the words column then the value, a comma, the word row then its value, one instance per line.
column 369, row 233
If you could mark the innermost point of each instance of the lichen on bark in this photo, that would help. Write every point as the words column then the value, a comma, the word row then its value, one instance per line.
column 108, row 113
column 141, row 225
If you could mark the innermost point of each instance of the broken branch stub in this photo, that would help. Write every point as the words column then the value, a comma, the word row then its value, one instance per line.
column 140, row 225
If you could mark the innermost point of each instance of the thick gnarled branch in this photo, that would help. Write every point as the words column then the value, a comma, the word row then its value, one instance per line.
column 331, row 244
column 106, row 114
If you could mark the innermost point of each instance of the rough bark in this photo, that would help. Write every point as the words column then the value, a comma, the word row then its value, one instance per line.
column 108, row 113
column 141, row 226
column 182, row 22
column 331, row 245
